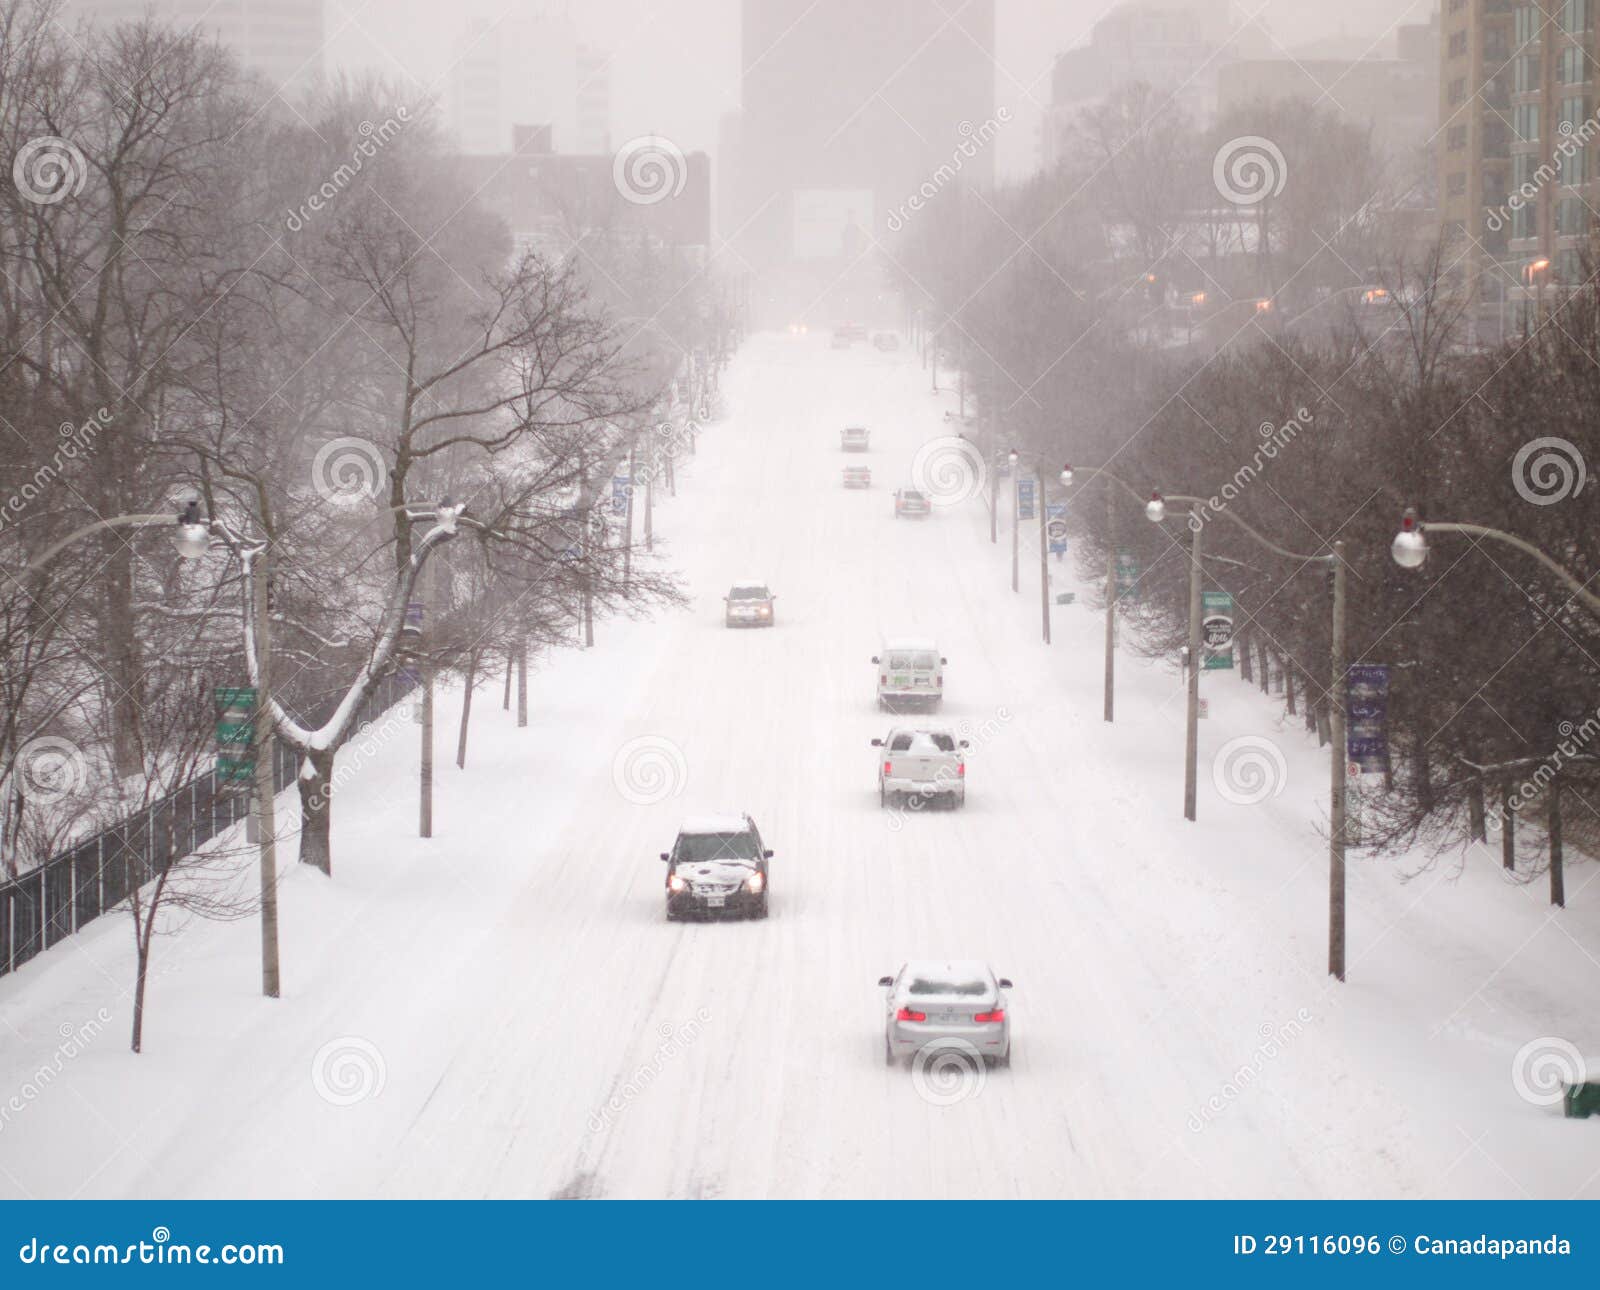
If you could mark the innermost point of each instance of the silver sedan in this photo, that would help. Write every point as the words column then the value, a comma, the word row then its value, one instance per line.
column 951, row 1004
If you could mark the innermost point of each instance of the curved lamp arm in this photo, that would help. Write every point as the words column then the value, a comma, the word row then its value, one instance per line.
column 1325, row 558
column 115, row 522
column 1588, row 597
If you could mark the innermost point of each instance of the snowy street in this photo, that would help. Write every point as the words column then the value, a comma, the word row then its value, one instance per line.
column 504, row 1011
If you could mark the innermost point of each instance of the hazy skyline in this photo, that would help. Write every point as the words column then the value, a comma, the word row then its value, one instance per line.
column 675, row 65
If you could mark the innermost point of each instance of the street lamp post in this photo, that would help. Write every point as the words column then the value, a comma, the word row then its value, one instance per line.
column 192, row 538
column 1335, row 561
column 1044, row 556
column 1410, row 550
column 1016, row 515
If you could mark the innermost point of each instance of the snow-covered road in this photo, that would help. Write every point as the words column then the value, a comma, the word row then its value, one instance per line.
column 540, row 1029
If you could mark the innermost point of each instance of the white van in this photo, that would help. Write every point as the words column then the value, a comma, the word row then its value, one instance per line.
column 910, row 673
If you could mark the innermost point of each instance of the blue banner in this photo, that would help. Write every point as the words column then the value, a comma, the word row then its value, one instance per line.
column 1024, row 497
column 1367, row 717
column 534, row 1243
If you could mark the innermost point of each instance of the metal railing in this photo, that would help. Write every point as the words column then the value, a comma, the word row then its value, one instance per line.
column 60, row 897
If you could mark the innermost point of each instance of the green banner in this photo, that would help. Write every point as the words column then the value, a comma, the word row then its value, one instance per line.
column 1128, row 574
column 236, row 731
column 1216, row 629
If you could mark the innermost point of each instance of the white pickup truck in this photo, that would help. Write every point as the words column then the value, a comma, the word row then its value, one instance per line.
column 923, row 765
column 854, row 439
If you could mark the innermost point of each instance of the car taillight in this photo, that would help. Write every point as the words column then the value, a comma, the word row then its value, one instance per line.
column 961, row 770
column 988, row 1018
column 905, row 1014
column 888, row 768
column 939, row 681
column 883, row 680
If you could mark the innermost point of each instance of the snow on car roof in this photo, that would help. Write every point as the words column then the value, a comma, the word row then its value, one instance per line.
column 910, row 642
column 952, row 972
column 714, row 824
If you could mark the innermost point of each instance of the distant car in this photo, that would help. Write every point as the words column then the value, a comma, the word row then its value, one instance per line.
column 910, row 673
column 957, row 1005
column 911, row 504
column 886, row 340
column 858, row 476
column 717, row 866
column 749, row 604
column 922, row 765
column 854, row 439
column 797, row 329
column 839, row 341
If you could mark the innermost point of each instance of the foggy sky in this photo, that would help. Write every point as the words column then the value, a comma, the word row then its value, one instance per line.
column 675, row 63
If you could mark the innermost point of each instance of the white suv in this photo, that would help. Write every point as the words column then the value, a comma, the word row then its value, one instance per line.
column 910, row 673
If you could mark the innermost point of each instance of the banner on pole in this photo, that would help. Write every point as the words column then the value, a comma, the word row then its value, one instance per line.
column 1024, row 497
column 1216, row 629
column 1055, row 526
column 236, row 731
column 1128, row 575
column 1367, row 716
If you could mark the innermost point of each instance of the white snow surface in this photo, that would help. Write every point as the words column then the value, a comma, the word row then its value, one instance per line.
column 503, row 1010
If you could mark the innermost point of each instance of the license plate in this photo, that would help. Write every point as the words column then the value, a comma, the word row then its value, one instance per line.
column 950, row 1017
column 716, row 902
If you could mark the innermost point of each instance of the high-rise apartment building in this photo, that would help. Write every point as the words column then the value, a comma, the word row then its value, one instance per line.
column 1517, row 150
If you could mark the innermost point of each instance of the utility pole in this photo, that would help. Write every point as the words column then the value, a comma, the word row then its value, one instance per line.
column 649, row 496
column 265, row 776
column 425, row 812
column 1111, row 602
column 1016, row 519
column 1336, row 795
column 627, row 523
column 1044, row 556
column 1191, row 756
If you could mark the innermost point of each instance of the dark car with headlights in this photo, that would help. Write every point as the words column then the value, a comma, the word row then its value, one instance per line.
column 717, row 866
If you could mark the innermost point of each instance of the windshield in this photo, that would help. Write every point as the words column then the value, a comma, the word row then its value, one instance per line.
column 694, row 848
column 913, row 661
column 938, row 986
column 748, row 593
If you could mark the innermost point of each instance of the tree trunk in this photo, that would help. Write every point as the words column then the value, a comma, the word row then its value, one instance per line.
column 1508, row 833
column 466, row 709
column 143, row 971
column 1266, row 668
column 1324, row 727
column 511, row 667
column 1288, row 687
column 522, row 682
column 1310, row 706
column 124, row 677
column 1246, row 674
column 1477, row 821
column 315, row 782
column 1423, row 767
column 1558, row 877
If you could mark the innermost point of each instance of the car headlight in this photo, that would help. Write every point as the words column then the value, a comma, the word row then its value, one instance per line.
column 675, row 883
column 755, row 882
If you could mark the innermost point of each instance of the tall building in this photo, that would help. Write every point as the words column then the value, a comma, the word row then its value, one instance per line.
column 593, row 102
column 1517, row 151
column 1396, row 97
column 510, row 70
column 1177, row 47
column 848, row 111
column 280, row 39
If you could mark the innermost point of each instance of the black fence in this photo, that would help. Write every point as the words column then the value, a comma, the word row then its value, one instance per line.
column 50, row 903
